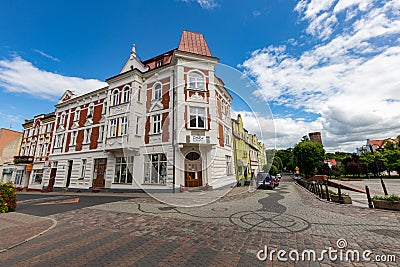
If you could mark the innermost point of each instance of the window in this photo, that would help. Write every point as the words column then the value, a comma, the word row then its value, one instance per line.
column 113, row 128
column 59, row 140
column 36, row 130
column 138, row 94
column 83, row 168
column 77, row 114
column 40, row 152
column 156, row 124
column 87, row 135
column 18, row 177
column 73, row 138
column 115, row 97
column 155, row 169
column 90, row 110
column 196, row 81
column 104, row 108
column 22, row 153
column 123, row 170
column 62, row 119
column 137, row 125
column 102, row 129
column 126, row 95
column 197, row 117
column 228, row 160
column 123, row 126
column 159, row 63
column 227, row 137
column 157, row 91
column 45, row 147
column 37, row 176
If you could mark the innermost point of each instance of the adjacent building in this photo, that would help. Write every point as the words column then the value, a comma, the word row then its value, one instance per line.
column 9, row 146
column 31, row 163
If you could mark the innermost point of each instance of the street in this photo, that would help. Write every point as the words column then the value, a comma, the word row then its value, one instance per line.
column 140, row 231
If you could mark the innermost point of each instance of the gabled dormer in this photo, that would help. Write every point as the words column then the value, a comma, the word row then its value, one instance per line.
column 133, row 63
column 68, row 94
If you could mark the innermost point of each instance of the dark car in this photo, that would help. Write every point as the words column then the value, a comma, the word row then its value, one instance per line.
column 265, row 180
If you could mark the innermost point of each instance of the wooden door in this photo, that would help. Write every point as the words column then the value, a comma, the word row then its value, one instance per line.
column 99, row 172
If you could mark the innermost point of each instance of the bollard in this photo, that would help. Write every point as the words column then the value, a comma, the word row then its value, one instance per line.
column 384, row 187
column 370, row 205
column 327, row 192
column 340, row 194
column 321, row 189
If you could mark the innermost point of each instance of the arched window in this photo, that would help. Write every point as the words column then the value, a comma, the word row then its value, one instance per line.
column 126, row 94
column 196, row 81
column 115, row 97
column 157, row 91
column 77, row 114
column 192, row 156
column 62, row 119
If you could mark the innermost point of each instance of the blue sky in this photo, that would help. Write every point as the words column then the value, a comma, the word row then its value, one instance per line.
column 329, row 66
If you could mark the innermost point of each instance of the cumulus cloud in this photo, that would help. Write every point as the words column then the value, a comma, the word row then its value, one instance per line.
column 19, row 75
column 349, row 79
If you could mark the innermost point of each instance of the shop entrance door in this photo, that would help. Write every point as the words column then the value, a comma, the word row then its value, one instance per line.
column 100, row 166
column 193, row 173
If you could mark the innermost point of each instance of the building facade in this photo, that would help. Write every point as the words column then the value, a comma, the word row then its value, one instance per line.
column 160, row 124
column 31, row 163
column 9, row 146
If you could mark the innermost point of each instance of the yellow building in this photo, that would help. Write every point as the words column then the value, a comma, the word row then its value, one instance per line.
column 241, row 150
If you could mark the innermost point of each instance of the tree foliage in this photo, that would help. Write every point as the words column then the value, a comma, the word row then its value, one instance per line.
column 308, row 156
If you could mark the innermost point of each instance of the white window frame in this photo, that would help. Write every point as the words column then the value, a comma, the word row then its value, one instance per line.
column 137, row 125
column 62, row 119
column 35, row 176
column 138, row 94
column 87, row 135
column 73, row 137
column 90, row 110
column 77, row 114
column 102, row 130
column 157, row 91
column 113, row 128
column 156, row 124
column 123, row 126
column 194, row 112
column 155, row 169
column 115, row 97
column 83, row 168
column 227, row 137
column 123, row 172
column 103, row 111
column 196, row 81
column 59, row 140
column 126, row 95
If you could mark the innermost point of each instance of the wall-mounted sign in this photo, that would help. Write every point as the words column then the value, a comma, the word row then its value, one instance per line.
column 198, row 139
column 29, row 167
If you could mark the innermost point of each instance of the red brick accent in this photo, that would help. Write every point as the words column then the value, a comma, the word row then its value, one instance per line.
column 221, row 134
column 97, row 114
column 165, row 96
column 219, row 107
column 82, row 118
column 79, row 140
column 66, row 149
column 165, row 127
column 94, row 137
column 147, row 130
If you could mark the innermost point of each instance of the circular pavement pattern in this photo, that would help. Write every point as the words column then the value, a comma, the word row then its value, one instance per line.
column 269, row 222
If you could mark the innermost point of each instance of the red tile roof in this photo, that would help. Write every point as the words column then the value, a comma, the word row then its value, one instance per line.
column 195, row 43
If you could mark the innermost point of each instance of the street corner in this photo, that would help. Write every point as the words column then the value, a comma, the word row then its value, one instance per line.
column 18, row 228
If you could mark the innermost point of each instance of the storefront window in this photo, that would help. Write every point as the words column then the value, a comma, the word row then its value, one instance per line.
column 37, row 176
column 18, row 177
column 123, row 170
column 155, row 169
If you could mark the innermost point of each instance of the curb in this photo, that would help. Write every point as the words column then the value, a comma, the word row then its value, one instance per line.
column 32, row 237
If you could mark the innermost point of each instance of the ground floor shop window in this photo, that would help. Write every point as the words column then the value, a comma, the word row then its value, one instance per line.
column 123, row 170
column 155, row 169
column 18, row 177
column 37, row 176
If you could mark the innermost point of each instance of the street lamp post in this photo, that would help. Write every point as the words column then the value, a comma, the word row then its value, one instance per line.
column 377, row 168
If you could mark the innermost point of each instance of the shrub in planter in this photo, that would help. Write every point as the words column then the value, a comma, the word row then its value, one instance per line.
column 388, row 202
column 8, row 197
column 335, row 197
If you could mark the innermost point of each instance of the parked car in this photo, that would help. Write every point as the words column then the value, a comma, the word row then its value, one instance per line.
column 265, row 180
column 279, row 176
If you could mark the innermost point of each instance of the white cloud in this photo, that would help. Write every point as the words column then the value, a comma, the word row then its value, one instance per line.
column 40, row 52
column 347, row 78
column 19, row 75
column 205, row 4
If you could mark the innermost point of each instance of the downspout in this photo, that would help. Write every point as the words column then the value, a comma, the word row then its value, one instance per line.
column 173, row 131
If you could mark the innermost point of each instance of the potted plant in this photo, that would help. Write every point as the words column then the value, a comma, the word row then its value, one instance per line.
column 335, row 197
column 387, row 202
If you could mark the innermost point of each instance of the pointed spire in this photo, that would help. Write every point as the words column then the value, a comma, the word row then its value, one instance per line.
column 133, row 52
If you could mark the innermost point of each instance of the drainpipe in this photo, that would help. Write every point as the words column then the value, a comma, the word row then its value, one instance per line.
column 173, row 131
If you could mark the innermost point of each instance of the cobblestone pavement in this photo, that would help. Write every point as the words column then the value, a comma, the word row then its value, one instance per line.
column 229, row 232
column 375, row 186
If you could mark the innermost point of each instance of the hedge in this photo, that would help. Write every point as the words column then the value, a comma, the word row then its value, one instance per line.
column 8, row 197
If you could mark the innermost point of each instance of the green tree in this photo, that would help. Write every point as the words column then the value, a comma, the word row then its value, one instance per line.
column 308, row 156
column 392, row 160
column 274, row 170
column 278, row 163
column 286, row 155
column 337, row 171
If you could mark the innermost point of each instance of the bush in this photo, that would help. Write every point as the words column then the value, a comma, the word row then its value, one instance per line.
column 8, row 197
column 388, row 198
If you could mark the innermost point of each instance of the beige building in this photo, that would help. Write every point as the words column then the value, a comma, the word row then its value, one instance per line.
column 9, row 145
